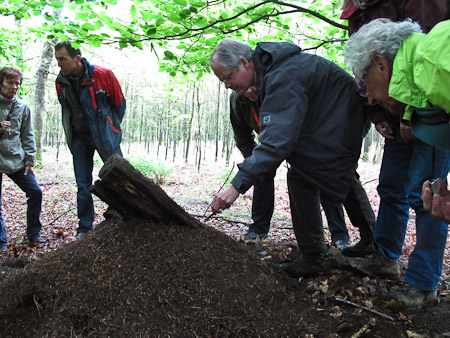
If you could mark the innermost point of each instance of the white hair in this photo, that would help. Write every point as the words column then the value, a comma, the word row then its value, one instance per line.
column 380, row 36
column 228, row 53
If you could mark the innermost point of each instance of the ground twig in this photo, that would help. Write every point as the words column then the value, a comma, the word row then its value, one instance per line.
column 364, row 308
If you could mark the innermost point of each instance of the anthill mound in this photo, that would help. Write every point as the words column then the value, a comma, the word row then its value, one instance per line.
column 141, row 279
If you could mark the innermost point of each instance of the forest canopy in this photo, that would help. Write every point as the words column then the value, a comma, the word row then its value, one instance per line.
column 181, row 33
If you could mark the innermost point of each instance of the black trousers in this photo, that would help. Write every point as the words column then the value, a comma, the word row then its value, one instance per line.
column 307, row 218
column 262, row 205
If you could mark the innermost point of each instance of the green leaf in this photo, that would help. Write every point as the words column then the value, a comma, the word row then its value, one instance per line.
column 133, row 12
column 89, row 27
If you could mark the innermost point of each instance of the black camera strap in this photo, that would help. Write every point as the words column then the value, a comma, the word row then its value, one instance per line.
column 8, row 118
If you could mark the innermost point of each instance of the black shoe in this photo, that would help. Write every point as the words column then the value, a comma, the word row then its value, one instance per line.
column 306, row 264
column 341, row 244
column 37, row 239
column 360, row 249
column 3, row 247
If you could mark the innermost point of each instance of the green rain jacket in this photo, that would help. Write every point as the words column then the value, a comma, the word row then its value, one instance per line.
column 421, row 70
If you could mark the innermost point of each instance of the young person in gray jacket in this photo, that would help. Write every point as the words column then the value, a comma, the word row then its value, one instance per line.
column 17, row 152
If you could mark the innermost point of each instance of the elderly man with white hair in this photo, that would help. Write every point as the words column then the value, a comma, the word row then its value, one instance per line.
column 407, row 73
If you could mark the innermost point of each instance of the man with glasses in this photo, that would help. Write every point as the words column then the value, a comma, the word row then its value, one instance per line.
column 403, row 70
column 311, row 116
column 244, row 117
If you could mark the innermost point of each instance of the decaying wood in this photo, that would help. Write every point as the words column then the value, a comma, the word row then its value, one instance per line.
column 132, row 194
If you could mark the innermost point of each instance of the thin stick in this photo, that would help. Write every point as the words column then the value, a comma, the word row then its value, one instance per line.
column 365, row 308
column 226, row 180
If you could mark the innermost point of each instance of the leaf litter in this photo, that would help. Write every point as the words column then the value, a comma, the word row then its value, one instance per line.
column 137, row 278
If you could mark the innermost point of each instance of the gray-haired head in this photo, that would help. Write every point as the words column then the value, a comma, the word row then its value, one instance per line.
column 229, row 52
column 380, row 36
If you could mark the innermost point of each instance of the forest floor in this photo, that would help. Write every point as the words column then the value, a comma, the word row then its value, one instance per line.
column 141, row 279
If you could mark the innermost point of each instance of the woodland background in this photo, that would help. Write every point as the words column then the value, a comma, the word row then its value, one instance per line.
column 176, row 130
column 159, row 51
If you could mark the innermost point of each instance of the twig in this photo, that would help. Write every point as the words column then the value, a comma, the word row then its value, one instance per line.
column 226, row 180
column 364, row 308
column 222, row 218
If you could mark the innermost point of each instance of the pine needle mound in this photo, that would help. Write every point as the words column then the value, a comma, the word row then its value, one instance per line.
column 141, row 279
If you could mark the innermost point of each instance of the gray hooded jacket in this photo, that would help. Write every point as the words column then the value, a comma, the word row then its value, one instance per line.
column 17, row 146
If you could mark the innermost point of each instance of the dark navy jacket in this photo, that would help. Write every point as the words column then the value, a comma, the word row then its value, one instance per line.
column 244, row 117
column 104, row 103
column 310, row 114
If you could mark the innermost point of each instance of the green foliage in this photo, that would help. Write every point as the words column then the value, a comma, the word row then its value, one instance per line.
column 97, row 160
column 366, row 157
column 227, row 176
column 185, row 31
column 156, row 170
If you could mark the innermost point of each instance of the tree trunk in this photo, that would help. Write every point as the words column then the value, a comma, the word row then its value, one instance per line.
column 133, row 195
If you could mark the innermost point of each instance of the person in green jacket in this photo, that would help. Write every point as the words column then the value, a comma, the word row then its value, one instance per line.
column 407, row 72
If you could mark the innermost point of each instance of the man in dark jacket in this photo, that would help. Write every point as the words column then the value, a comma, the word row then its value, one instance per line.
column 311, row 116
column 244, row 117
column 93, row 107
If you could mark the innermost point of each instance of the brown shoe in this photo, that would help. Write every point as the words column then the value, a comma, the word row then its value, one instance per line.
column 411, row 297
column 379, row 266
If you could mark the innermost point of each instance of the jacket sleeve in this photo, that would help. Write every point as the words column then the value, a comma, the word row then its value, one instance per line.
column 243, row 134
column 27, row 137
column 118, row 102
column 283, row 110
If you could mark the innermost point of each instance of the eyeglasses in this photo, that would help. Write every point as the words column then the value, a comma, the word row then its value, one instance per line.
column 228, row 77
column 362, row 90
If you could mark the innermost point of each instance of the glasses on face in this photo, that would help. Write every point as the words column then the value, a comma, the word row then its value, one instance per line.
column 228, row 77
column 362, row 89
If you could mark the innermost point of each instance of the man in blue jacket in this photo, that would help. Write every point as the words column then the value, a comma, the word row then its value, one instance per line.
column 312, row 116
column 93, row 107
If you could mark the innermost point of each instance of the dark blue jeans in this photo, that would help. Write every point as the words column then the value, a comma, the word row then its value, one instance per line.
column 404, row 168
column 33, row 192
column 83, row 149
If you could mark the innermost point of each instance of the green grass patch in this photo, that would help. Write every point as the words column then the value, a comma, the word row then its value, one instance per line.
column 156, row 170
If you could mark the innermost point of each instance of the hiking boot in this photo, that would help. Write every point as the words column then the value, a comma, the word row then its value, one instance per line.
column 80, row 235
column 37, row 239
column 3, row 247
column 381, row 267
column 341, row 244
column 360, row 249
column 251, row 235
column 306, row 264
column 411, row 297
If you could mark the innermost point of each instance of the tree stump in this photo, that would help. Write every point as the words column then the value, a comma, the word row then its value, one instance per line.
column 132, row 194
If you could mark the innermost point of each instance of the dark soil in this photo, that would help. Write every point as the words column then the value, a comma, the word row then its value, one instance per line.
column 141, row 279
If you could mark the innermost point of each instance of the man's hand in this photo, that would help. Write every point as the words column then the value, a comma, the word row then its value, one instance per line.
column 385, row 130
column 406, row 132
column 438, row 205
column 224, row 200
column 28, row 169
column 251, row 93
